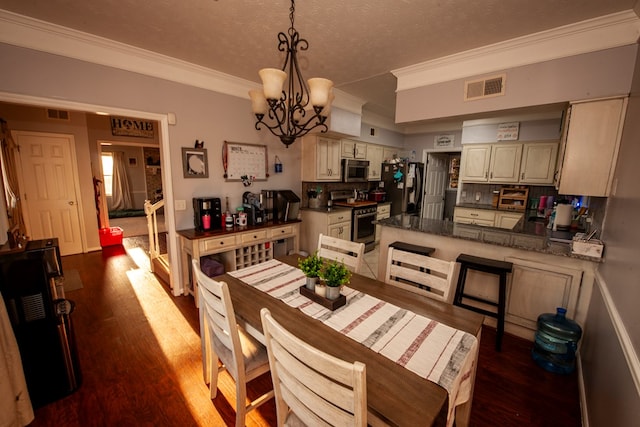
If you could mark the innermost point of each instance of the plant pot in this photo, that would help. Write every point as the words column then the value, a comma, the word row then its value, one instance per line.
column 314, row 202
column 333, row 292
column 311, row 283
column 321, row 289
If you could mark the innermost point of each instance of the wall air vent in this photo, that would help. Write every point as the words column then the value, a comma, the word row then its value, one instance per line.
column 484, row 88
column 58, row 114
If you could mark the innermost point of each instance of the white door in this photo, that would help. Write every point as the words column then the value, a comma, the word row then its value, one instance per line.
column 47, row 179
column 435, row 185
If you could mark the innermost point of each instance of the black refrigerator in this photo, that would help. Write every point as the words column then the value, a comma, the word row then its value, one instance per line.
column 403, row 184
column 31, row 286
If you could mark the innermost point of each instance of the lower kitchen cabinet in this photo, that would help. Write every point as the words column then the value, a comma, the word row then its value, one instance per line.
column 336, row 223
column 484, row 217
column 507, row 220
column 538, row 288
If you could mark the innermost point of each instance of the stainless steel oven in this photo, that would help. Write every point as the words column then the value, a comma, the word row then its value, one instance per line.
column 362, row 227
column 355, row 170
column 363, row 214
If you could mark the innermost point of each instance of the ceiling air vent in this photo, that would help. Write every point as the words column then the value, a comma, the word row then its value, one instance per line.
column 57, row 114
column 484, row 88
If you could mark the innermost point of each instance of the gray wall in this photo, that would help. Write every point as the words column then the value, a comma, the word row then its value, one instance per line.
column 201, row 114
column 588, row 76
column 612, row 330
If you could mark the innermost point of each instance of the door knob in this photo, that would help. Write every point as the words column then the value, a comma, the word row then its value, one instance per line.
column 71, row 203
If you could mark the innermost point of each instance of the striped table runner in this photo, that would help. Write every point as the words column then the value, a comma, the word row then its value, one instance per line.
column 432, row 350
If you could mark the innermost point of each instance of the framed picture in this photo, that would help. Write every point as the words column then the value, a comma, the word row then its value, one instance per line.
column 133, row 162
column 194, row 163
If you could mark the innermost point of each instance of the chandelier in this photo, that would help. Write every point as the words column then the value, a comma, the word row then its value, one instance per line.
column 288, row 114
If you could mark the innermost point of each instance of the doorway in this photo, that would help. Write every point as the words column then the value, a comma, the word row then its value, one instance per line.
column 441, row 184
column 48, row 178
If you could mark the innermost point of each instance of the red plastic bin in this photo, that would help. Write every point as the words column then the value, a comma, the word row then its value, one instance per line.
column 111, row 236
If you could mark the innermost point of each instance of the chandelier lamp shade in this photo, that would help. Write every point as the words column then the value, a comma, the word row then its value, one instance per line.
column 287, row 105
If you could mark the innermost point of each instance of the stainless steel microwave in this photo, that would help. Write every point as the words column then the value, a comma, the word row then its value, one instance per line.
column 355, row 170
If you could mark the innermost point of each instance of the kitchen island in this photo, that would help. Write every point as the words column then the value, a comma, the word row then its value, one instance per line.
column 545, row 274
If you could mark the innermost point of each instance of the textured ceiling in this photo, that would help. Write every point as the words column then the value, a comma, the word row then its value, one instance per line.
column 355, row 43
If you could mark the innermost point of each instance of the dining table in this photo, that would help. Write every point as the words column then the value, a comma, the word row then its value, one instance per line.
column 396, row 396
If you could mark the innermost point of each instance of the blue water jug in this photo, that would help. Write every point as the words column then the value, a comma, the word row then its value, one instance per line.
column 556, row 342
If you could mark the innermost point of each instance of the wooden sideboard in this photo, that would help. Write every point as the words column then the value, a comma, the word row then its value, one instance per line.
column 237, row 248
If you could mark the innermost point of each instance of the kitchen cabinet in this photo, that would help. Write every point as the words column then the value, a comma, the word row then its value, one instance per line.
column 353, row 149
column 484, row 217
column 532, row 163
column 335, row 223
column 374, row 155
column 538, row 164
column 504, row 165
column 487, row 218
column 388, row 153
column 590, row 149
column 537, row 288
column 507, row 220
column 320, row 158
column 474, row 164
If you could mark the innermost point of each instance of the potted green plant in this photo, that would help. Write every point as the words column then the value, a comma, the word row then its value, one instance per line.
column 311, row 267
column 335, row 274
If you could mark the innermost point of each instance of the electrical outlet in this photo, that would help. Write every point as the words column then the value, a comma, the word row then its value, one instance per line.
column 464, row 194
column 478, row 195
column 180, row 205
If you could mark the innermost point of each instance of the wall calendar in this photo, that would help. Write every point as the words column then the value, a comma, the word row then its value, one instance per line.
column 242, row 162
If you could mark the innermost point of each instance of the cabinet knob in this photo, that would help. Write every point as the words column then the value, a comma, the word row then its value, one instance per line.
column 522, row 176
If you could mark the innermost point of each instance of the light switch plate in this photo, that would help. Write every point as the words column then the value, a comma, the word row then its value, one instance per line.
column 181, row 205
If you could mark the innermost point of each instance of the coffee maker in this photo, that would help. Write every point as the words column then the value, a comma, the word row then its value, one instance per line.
column 252, row 204
column 207, row 213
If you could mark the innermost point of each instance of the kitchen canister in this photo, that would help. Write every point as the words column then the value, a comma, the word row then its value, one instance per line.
column 556, row 342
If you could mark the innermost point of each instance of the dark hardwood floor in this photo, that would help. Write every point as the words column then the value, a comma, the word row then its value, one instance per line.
column 139, row 350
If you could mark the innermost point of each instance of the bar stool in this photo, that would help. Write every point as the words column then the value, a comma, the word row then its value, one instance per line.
column 415, row 249
column 500, row 268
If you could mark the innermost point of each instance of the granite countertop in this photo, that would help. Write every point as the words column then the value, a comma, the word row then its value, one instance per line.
column 530, row 236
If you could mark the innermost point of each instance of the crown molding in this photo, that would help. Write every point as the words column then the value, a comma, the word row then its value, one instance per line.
column 22, row 31
column 605, row 32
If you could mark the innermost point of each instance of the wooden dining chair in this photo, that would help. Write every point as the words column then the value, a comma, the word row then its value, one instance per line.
column 242, row 356
column 312, row 387
column 349, row 253
column 422, row 274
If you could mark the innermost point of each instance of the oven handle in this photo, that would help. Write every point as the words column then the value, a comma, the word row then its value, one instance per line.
column 364, row 215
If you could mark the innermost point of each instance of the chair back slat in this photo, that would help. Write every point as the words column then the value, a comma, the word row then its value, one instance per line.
column 422, row 274
column 349, row 253
column 320, row 389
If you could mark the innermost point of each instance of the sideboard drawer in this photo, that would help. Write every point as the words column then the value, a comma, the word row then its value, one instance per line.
column 253, row 236
column 281, row 232
column 218, row 243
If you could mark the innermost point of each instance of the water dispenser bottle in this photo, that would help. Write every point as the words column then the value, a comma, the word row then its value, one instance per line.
column 556, row 342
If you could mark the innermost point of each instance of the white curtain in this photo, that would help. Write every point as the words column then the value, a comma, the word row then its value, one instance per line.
column 121, row 190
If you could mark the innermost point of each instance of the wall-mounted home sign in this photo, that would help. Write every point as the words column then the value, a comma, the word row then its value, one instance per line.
column 508, row 131
column 443, row 141
column 123, row 126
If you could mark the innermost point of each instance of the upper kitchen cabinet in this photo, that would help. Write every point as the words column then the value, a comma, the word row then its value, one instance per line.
column 591, row 147
column 354, row 149
column 475, row 162
column 491, row 162
column 532, row 163
column 538, row 162
column 388, row 153
column 374, row 155
column 320, row 158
